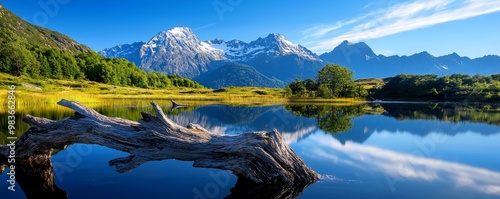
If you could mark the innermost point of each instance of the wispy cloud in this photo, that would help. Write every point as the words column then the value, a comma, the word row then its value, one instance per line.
column 205, row 26
column 395, row 19
column 322, row 30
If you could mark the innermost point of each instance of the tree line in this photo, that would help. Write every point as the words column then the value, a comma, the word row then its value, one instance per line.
column 335, row 81
column 457, row 87
column 21, row 58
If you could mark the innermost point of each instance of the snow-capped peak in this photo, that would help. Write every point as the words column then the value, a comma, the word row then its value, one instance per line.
column 177, row 49
column 180, row 51
column 177, row 33
column 181, row 31
column 273, row 45
column 179, row 39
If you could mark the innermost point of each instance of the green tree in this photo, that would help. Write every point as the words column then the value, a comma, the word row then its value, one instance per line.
column 298, row 88
column 324, row 91
column 338, row 79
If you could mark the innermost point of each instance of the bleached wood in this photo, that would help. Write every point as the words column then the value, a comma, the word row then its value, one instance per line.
column 258, row 157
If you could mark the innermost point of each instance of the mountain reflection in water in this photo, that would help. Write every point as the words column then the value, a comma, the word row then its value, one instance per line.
column 386, row 150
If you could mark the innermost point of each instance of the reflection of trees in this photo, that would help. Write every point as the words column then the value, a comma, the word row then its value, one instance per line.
column 332, row 119
column 452, row 112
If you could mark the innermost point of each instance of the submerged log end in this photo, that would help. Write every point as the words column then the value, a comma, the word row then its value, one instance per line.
column 260, row 157
column 291, row 167
column 283, row 165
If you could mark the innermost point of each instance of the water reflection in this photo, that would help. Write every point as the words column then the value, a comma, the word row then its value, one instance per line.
column 339, row 120
column 331, row 119
column 449, row 112
column 362, row 141
column 399, row 167
column 36, row 178
column 221, row 118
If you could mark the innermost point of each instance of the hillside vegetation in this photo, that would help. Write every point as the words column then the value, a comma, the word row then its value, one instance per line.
column 36, row 35
column 35, row 52
column 235, row 74
column 455, row 87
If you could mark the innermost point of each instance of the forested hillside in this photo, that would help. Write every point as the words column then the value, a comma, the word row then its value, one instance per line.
column 30, row 51
column 455, row 87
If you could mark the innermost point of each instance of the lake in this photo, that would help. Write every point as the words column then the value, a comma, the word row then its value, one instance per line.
column 388, row 150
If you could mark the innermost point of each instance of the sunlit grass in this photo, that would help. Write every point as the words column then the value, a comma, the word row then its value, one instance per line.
column 46, row 93
column 323, row 101
column 369, row 83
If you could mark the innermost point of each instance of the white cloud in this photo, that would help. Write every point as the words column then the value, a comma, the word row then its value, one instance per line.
column 395, row 19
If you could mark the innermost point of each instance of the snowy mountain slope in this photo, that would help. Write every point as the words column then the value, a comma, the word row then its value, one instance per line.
column 175, row 51
column 179, row 51
column 273, row 44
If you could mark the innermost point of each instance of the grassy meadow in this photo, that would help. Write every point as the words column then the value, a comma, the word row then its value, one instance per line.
column 46, row 93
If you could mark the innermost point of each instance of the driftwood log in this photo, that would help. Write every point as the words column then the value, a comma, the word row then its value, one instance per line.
column 259, row 157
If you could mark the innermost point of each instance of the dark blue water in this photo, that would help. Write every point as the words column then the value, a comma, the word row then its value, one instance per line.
column 390, row 151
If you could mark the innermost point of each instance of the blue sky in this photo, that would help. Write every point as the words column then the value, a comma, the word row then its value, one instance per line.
column 468, row 27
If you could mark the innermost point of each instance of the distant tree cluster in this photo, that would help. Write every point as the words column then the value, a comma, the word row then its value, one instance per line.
column 20, row 58
column 333, row 81
column 455, row 87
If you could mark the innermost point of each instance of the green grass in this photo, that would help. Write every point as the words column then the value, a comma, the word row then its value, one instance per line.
column 369, row 83
column 50, row 91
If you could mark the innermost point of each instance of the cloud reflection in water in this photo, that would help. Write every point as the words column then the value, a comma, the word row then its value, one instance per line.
column 404, row 166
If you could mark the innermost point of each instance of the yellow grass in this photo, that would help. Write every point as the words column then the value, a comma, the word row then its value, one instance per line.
column 49, row 92
column 369, row 83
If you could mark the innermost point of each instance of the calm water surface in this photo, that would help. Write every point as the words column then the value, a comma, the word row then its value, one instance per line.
column 364, row 151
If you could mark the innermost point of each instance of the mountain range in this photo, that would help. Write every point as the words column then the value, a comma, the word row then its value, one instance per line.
column 180, row 51
column 270, row 61
column 361, row 59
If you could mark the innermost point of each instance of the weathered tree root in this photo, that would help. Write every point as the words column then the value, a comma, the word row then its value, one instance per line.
column 259, row 157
